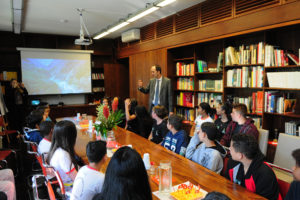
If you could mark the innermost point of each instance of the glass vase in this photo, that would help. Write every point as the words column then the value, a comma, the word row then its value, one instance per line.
column 110, row 143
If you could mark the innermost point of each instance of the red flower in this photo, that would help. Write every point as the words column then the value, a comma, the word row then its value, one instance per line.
column 105, row 111
column 115, row 104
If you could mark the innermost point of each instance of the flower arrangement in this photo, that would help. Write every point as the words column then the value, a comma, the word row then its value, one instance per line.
column 106, row 119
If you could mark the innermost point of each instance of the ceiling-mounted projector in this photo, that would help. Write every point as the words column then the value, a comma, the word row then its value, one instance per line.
column 82, row 40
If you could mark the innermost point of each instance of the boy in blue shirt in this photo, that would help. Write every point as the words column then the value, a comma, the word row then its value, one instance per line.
column 32, row 131
column 205, row 150
column 176, row 139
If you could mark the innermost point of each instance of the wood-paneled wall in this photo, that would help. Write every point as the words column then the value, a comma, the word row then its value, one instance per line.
column 143, row 55
column 139, row 69
column 278, row 16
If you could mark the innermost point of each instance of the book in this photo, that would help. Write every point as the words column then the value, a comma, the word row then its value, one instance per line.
column 294, row 58
column 289, row 105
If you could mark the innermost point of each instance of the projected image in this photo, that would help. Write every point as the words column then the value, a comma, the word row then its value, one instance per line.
column 56, row 76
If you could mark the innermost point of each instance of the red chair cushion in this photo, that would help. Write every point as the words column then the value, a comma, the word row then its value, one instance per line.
column 4, row 154
column 283, row 187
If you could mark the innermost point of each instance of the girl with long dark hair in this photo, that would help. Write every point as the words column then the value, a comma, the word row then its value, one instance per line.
column 126, row 177
column 62, row 153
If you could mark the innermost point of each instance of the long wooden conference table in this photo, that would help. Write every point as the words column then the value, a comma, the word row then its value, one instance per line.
column 182, row 169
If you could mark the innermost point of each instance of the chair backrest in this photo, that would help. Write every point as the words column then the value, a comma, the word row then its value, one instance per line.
column 263, row 138
column 2, row 122
column 286, row 145
column 284, row 185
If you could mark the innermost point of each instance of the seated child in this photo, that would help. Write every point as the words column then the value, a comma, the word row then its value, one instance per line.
column 250, row 171
column 216, row 196
column 46, row 129
column 89, row 180
column 176, row 139
column 294, row 191
column 240, row 124
column 203, row 148
column 45, row 109
column 159, row 128
column 126, row 177
column 204, row 110
column 62, row 153
column 32, row 131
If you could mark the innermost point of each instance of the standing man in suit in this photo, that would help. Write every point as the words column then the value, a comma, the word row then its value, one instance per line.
column 160, row 89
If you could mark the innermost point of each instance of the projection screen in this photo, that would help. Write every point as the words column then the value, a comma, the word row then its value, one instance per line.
column 56, row 71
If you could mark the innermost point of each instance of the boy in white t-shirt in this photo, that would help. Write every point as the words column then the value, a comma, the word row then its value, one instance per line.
column 89, row 180
column 203, row 116
column 46, row 129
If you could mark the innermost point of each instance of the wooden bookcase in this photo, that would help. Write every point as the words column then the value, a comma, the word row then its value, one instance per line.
column 285, row 38
column 9, row 58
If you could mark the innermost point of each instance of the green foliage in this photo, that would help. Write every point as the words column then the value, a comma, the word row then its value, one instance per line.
column 107, row 124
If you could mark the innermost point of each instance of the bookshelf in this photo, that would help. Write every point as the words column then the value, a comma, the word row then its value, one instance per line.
column 9, row 66
column 252, row 67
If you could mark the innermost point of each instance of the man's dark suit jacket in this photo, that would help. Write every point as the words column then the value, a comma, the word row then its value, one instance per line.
column 166, row 95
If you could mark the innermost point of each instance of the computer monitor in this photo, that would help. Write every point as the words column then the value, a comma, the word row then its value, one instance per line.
column 35, row 102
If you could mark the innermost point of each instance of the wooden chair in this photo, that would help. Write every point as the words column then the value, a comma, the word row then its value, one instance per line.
column 4, row 131
column 263, row 138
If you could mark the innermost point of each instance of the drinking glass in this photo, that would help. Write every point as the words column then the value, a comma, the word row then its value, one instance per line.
column 165, row 176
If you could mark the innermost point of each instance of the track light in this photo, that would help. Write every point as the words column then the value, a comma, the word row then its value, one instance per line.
column 142, row 14
column 101, row 35
column 149, row 9
column 164, row 3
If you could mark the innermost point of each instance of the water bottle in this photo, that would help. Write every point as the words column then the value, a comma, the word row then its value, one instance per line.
column 110, row 143
column 165, row 177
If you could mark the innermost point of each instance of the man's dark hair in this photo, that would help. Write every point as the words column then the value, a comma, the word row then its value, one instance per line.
column 157, row 68
column 206, row 107
column 241, row 108
column 210, row 129
column 3, row 196
column 34, row 118
column 296, row 156
column 95, row 151
column 246, row 144
column 160, row 111
column 216, row 196
column 46, row 127
column 175, row 121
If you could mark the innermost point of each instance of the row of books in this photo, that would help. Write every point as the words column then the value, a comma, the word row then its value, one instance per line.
column 98, row 89
column 185, row 99
column 183, row 69
column 7, row 76
column 252, row 54
column 279, row 103
column 277, row 57
column 3, row 89
column 185, row 84
column 220, row 62
column 211, row 85
column 187, row 114
column 202, row 66
column 211, row 98
column 292, row 128
column 245, row 77
column 257, row 122
column 97, row 76
column 254, row 103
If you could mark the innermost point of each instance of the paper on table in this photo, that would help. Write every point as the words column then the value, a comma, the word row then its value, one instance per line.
column 174, row 188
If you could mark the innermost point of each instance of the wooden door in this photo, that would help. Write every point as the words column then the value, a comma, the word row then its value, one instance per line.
column 116, row 80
